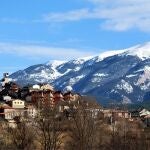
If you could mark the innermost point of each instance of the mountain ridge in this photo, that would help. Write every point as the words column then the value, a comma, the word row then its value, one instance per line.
column 123, row 75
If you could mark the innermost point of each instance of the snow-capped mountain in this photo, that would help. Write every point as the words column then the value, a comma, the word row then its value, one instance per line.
column 122, row 75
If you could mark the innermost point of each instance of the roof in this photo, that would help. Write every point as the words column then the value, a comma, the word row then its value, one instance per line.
column 18, row 100
column 5, row 106
column 68, row 93
column 144, row 112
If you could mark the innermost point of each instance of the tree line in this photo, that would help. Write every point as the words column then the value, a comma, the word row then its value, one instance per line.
column 74, row 129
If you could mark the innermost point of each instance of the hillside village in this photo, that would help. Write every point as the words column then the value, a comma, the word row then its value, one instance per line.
column 64, row 118
column 26, row 101
column 16, row 101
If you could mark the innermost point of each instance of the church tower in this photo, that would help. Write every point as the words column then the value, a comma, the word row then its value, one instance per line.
column 5, row 79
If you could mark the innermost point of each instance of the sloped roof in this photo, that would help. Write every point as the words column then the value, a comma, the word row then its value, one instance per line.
column 144, row 112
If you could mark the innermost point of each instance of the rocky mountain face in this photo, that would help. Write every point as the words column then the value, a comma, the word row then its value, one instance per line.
column 122, row 75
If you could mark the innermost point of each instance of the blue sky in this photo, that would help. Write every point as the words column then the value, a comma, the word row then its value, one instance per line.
column 36, row 31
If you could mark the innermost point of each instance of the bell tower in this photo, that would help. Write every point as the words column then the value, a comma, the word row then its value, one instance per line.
column 5, row 79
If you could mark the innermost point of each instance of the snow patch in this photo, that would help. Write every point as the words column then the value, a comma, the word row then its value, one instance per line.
column 144, row 79
column 97, row 77
column 72, row 81
column 77, row 69
column 109, row 53
column 131, row 75
column 125, row 86
column 126, row 100
column 100, row 74
column 55, row 63
column 141, row 51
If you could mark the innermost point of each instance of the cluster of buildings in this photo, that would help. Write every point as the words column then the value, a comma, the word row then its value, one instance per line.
column 26, row 101
column 16, row 101
column 113, row 115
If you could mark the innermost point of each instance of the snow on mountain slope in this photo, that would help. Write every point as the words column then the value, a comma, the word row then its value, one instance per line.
column 141, row 51
column 123, row 75
column 125, row 86
column 144, row 78
column 55, row 63
column 110, row 53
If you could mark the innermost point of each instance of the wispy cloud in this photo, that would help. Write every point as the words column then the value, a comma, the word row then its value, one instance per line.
column 73, row 15
column 118, row 15
column 12, row 20
column 122, row 15
column 38, row 51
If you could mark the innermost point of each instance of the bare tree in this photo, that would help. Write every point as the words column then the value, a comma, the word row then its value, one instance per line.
column 48, row 127
column 129, row 136
column 83, row 129
column 22, row 136
column 2, row 136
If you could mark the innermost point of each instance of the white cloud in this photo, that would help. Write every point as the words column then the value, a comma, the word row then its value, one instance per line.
column 122, row 15
column 118, row 15
column 74, row 15
column 38, row 51
column 118, row 2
